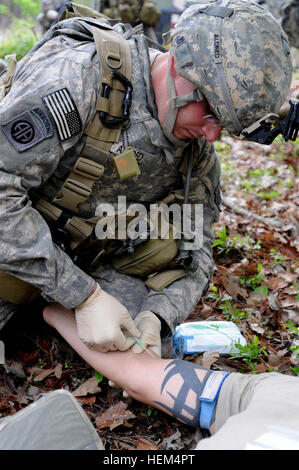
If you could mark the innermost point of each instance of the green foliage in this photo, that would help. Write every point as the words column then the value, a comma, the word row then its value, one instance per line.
column 269, row 195
column 4, row 10
column 295, row 286
column 256, row 181
column 149, row 412
column 281, row 149
column 255, row 282
column 19, row 39
column 67, row 365
column 98, row 376
column 41, row 363
column 292, row 329
column 277, row 257
column 225, row 244
column 295, row 349
column 253, row 244
column 29, row 8
column 231, row 313
column 249, row 353
column 214, row 294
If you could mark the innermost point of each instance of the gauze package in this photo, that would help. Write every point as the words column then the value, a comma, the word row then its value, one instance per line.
column 201, row 336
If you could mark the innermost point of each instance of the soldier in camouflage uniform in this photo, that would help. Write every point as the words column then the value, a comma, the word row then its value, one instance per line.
column 50, row 11
column 287, row 12
column 290, row 21
column 232, row 57
column 134, row 12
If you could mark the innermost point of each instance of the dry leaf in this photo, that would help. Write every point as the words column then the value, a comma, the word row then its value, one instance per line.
column 232, row 286
column 257, row 328
column 87, row 400
column 275, row 283
column 114, row 416
column 44, row 373
column 208, row 358
column 145, row 444
column 4, row 404
column 262, row 368
column 117, row 423
column 273, row 302
column 58, row 371
column 274, row 359
column 90, row 386
column 289, row 276
column 172, row 442
column 290, row 301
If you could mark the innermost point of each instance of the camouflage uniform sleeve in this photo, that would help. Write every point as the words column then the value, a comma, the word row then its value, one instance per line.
column 175, row 303
column 32, row 145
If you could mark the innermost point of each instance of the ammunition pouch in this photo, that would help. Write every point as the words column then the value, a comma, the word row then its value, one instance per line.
column 150, row 257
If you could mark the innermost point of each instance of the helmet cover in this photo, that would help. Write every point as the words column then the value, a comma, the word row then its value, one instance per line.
column 237, row 55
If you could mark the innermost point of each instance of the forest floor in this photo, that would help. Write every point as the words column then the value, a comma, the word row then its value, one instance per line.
column 255, row 285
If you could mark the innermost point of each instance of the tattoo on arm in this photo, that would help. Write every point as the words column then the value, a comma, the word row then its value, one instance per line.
column 184, row 390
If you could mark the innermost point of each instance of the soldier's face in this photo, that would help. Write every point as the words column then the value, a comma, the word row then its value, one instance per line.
column 194, row 120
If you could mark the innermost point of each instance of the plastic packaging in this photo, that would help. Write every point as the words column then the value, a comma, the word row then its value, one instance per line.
column 201, row 336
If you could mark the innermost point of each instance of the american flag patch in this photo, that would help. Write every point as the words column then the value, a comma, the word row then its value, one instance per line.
column 64, row 113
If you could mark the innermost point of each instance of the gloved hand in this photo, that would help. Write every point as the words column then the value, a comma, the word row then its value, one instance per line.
column 100, row 319
column 149, row 326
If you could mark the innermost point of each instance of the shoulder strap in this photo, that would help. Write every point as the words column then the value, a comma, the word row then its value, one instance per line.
column 76, row 10
column 114, row 55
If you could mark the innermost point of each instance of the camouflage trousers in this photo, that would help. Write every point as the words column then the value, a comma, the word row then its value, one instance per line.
column 129, row 290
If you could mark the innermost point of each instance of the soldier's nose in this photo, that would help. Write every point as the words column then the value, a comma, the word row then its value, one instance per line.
column 210, row 131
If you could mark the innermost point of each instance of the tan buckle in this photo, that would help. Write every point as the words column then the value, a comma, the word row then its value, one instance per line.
column 79, row 230
column 88, row 169
column 78, row 186
column 48, row 210
column 72, row 194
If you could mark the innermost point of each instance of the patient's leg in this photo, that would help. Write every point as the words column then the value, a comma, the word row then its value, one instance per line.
column 173, row 386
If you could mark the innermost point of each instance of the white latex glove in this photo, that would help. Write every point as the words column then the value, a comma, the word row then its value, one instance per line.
column 149, row 326
column 100, row 320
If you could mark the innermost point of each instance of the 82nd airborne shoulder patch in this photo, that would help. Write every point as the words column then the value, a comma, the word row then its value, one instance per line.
column 28, row 128
column 64, row 113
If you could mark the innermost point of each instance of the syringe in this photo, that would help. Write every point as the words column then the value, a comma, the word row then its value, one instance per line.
column 140, row 343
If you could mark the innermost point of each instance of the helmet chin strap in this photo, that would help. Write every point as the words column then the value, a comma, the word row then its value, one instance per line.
column 175, row 103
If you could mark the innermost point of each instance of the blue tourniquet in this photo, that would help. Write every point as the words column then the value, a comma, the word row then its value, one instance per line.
column 209, row 397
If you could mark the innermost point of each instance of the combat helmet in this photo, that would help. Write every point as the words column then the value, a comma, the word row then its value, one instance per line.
column 237, row 55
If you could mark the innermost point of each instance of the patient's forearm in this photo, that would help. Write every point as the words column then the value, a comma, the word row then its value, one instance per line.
column 170, row 385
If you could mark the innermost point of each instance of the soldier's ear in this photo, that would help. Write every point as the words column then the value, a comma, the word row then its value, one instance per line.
column 172, row 67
